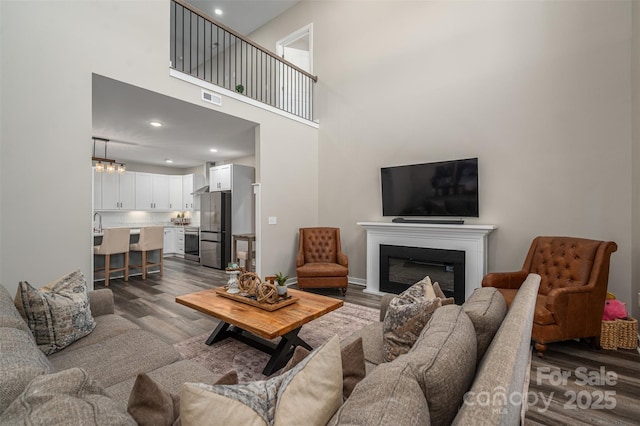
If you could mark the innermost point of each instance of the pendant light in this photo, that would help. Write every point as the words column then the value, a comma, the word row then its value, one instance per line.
column 111, row 165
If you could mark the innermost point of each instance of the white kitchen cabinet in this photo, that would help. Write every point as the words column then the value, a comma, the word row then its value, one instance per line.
column 180, row 241
column 118, row 190
column 170, row 245
column 152, row 191
column 175, row 192
column 220, row 178
column 189, row 184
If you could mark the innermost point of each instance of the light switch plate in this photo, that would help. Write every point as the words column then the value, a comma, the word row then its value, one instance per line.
column 273, row 220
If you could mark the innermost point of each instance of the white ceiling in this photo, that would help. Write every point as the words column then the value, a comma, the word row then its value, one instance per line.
column 122, row 112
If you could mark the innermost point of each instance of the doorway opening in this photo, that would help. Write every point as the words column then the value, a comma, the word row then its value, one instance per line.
column 296, row 48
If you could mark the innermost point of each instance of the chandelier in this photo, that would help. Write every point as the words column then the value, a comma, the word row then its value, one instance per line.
column 103, row 163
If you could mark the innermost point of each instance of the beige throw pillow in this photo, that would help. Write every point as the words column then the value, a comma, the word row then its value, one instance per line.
column 58, row 314
column 406, row 316
column 308, row 394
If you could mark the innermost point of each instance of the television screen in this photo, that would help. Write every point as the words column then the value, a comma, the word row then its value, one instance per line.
column 447, row 188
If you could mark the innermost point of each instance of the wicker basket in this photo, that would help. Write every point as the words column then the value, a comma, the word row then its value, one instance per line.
column 627, row 333
column 621, row 333
column 608, row 335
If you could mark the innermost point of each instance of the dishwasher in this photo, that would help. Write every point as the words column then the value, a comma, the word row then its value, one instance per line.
column 192, row 243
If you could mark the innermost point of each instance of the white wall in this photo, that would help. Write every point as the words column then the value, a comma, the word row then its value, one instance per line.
column 635, row 187
column 540, row 92
column 49, row 52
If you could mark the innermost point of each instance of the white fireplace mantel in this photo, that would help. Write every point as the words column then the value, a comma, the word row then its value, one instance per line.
column 472, row 239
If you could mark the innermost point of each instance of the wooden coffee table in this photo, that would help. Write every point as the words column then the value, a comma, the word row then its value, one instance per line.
column 253, row 325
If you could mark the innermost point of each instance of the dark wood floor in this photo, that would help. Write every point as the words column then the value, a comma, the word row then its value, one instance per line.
column 151, row 304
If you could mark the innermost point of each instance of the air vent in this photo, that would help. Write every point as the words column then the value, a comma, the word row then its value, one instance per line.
column 211, row 97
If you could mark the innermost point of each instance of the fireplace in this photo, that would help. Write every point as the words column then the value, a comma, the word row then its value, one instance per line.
column 470, row 239
column 402, row 266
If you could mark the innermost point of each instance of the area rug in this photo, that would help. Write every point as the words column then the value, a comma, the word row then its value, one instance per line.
column 231, row 354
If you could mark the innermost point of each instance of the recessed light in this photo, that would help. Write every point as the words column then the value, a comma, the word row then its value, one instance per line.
column 213, row 150
column 155, row 123
column 218, row 12
column 168, row 161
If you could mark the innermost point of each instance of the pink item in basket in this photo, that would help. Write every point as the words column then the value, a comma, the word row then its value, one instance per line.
column 614, row 309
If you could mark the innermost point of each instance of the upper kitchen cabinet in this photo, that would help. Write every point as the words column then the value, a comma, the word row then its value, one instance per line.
column 152, row 191
column 175, row 192
column 189, row 184
column 118, row 190
column 220, row 178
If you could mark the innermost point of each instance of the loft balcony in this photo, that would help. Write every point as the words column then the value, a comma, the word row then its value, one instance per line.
column 210, row 51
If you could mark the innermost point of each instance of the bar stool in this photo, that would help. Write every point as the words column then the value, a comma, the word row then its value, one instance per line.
column 114, row 241
column 151, row 239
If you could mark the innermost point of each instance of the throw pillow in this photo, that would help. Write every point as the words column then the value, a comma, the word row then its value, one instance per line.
column 151, row 405
column 65, row 398
column 406, row 316
column 59, row 313
column 309, row 394
column 443, row 297
column 20, row 362
column 353, row 364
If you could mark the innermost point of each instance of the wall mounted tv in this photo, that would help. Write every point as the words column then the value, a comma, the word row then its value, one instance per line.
column 446, row 188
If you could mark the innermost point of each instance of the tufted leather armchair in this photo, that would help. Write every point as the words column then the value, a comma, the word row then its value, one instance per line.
column 320, row 261
column 574, row 275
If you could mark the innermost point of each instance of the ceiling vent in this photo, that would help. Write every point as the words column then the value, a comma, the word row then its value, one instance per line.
column 212, row 98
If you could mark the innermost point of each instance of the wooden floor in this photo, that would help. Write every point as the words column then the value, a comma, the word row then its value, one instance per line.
column 151, row 304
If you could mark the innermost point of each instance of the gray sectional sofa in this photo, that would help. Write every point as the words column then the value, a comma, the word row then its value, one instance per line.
column 477, row 353
column 113, row 354
column 458, row 353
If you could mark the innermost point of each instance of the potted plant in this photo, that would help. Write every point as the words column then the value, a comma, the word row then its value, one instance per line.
column 280, row 283
column 239, row 88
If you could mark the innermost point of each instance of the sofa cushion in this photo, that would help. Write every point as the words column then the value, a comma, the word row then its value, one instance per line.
column 66, row 397
column 170, row 377
column 9, row 315
column 486, row 309
column 120, row 357
column 20, row 362
column 322, row 270
column 59, row 313
column 407, row 314
column 444, row 361
column 390, row 395
column 308, row 394
column 107, row 326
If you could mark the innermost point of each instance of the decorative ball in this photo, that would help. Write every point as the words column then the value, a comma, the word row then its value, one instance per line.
column 266, row 293
column 248, row 282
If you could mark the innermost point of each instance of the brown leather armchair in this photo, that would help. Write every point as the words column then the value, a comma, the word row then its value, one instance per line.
column 574, row 275
column 320, row 261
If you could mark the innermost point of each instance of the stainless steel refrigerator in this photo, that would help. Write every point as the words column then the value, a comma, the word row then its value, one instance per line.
column 215, row 229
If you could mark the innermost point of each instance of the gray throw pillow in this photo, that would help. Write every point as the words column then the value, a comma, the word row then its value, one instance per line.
column 58, row 314
column 406, row 316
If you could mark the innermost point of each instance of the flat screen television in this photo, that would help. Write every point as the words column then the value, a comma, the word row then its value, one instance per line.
column 446, row 188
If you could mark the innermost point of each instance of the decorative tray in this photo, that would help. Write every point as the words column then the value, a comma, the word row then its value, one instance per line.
column 251, row 300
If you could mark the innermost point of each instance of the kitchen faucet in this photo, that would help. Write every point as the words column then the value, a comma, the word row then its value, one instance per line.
column 99, row 229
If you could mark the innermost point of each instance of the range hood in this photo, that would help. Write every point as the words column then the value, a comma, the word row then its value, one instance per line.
column 202, row 190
